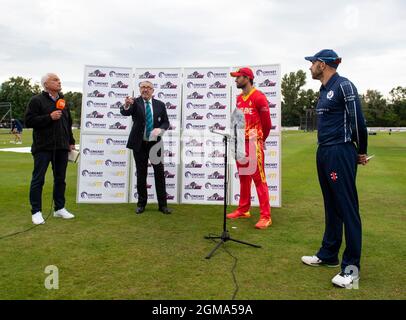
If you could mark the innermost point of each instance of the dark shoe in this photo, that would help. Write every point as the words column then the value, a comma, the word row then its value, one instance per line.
column 165, row 210
column 139, row 210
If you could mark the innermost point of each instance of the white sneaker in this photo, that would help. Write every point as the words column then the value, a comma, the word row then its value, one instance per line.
column 345, row 280
column 63, row 213
column 314, row 261
column 37, row 218
column 19, row 142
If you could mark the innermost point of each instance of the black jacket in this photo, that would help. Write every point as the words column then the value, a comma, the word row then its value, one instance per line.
column 48, row 134
column 137, row 111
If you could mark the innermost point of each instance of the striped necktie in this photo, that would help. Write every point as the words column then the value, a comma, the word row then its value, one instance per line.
column 148, row 118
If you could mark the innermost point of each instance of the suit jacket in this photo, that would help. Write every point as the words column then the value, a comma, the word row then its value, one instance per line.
column 137, row 112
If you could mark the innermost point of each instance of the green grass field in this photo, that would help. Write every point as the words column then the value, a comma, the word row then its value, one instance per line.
column 108, row 252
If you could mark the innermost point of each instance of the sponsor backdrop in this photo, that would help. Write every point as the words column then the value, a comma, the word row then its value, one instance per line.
column 103, row 169
column 268, row 80
column 168, row 89
column 104, row 90
column 206, row 105
column 197, row 100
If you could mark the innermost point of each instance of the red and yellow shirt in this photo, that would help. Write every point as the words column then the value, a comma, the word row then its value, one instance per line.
column 255, row 107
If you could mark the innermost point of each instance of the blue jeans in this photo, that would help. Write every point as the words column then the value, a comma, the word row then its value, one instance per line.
column 41, row 163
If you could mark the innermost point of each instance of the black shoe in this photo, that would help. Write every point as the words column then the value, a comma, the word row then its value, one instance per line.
column 139, row 210
column 165, row 210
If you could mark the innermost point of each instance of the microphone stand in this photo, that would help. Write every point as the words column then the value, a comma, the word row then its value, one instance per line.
column 225, row 236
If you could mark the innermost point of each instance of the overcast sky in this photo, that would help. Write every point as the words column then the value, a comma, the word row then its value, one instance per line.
column 62, row 36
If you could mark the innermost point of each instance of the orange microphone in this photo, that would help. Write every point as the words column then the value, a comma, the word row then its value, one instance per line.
column 60, row 104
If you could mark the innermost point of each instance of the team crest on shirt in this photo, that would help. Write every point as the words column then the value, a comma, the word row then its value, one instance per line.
column 250, row 104
column 334, row 176
column 330, row 94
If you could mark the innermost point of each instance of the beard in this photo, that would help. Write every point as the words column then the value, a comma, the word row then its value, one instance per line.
column 316, row 74
column 241, row 86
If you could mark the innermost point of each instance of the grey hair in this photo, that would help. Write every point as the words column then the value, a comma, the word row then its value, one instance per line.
column 45, row 77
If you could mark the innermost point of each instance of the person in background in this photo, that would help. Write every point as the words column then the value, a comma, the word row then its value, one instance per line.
column 17, row 130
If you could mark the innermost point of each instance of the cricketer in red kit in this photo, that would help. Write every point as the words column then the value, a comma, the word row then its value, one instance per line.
column 255, row 107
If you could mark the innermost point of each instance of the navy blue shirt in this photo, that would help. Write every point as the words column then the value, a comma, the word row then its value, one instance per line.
column 339, row 115
column 17, row 125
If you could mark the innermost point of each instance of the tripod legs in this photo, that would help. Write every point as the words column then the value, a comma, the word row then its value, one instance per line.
column 223, row 239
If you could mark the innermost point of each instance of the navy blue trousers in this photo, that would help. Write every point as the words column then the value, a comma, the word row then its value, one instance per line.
column 337, row 170
column 41, row 163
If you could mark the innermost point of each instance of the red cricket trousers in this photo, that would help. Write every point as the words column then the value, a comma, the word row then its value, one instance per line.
column 254, row 170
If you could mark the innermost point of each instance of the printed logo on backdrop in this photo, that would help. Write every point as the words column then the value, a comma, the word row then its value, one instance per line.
column 169, row 175
column 195, row 75
column 193, row 186
column 116, row 105
column 271, row 143
column 111, row 163
column 215, row 197
column 169, row 85
column 162, row 95
column 212, row 95
column 267, row 83
column 223, row 75
column 111, row 185
column 214, row 165
column 170, row 106
column 112, row 115
column 190, row 153
column 95, row 115
column 117, row 126
column 89, row 152
column 217, row 126
column 217, row 106
column 273, row 188
column 115, row 74
column 194, row 165
column 164, row 75
column 191, row 175
column 92, row 83
column 190, row 126
column 192, row 85
column 119, row 85
column 97, row 73
column 272, row 94
column 195, row 96
column 262, row 73
column 116, row 142
column 194, row 116
column 193, row 143
column 212, row 116
column 272, row 105
column 218, row 85
column 147, row 75
column 211, row 186
column 116, row 95
column 272, row 166
column 95, row 94
column 91, row 196
column 92, row 174
column 196, row 106
column 211, row 143
column 216, row 176
column 92, row 104
column 198, row 197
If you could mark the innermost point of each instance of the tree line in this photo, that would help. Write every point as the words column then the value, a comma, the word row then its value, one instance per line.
column 378, row 110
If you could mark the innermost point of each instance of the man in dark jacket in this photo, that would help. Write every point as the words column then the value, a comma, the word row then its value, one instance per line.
column 51, row 121
column 150, row 122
